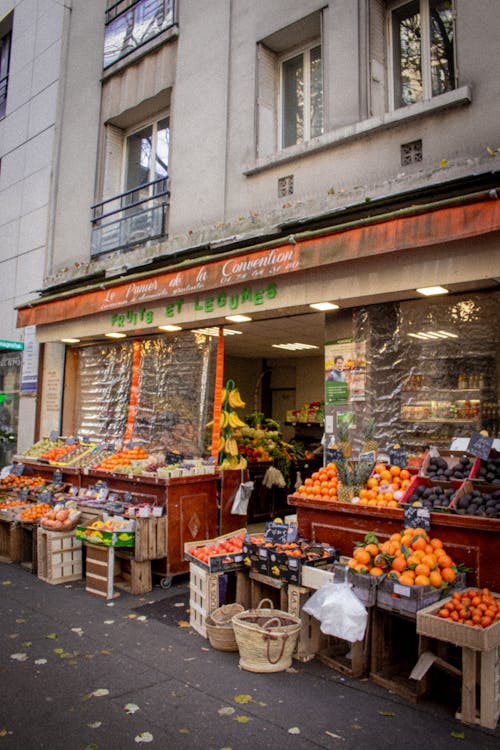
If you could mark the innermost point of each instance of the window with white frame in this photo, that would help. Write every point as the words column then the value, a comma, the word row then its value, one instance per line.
column 422, row 50
column 5, row 46
column 301, row 90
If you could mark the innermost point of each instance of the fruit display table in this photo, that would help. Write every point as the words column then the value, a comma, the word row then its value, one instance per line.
column 471, row 540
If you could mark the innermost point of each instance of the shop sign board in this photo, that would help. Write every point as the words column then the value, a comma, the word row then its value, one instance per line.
column 29, row 371
column 12, row 345
column 345, row 371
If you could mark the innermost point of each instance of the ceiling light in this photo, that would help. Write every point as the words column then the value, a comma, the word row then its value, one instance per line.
column 423, row 336
column 214, row 331
column 115, row 335
column 238, row 318
column 449, row 334
column 428, row 291
column 324, row 306
column 170, row 327
column 70, row 341
column 294, row 347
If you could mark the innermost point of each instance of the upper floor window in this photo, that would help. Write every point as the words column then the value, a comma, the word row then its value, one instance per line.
column 146, row 155
column 422, row 47
column 5, row 45
column 132, row 23
column 301, row 96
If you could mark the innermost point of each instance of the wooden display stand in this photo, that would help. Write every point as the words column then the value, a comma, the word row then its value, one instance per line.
column 99, row 570
column 351, row 659
column 130, row 574
column 470, row 540
column 59, row 556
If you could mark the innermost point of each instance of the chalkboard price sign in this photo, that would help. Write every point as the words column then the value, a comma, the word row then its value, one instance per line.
column 417, row 517
column 334, row 454
column 18, row 470
column 57, row 476
column 367, row 457
column 280, row 533
column 397, row 457
column 480, row 445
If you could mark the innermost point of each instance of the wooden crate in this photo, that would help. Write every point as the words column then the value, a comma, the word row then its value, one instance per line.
column 204, row 596
column 59, row 556
column 29, row 547
column 99, row 570
column 150, row 538
column 130, row 574
column 351, row 659
column 10, row 540
column 480, row 674
column 311, row 639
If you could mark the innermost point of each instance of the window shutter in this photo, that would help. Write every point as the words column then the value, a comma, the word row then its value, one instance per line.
column 377, row 57
column 113, row 159
column 267, row 99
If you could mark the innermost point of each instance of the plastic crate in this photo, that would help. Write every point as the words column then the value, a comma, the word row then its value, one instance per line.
column 59, row 556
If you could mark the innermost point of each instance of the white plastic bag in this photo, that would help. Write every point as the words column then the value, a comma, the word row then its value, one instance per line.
column 339, row 611
column 240, row 502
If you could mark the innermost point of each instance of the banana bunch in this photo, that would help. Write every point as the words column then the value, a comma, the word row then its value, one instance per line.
column 234, row 399
column 231, row 446
column 233, row 462
column 234, row 420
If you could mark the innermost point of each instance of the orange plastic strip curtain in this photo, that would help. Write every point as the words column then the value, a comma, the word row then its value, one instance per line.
column 134, row 391
column 219, row 378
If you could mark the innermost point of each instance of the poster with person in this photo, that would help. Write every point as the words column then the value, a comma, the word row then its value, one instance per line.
column 345, row 371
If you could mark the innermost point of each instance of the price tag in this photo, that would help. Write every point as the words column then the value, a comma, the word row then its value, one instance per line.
column 5, row 472
column 480, row 445
column 23, row 494
column 18, row 470
column 280, row 533
column 368, row 457
column 85, row 439
column 127, row 498
column 45, row 497
column 397, row 457
column 54, row 436
column 57, row 476
column 417, row 517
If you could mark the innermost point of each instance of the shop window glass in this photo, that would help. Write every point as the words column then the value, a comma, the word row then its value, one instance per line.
column 10, row 369
column 302, row 97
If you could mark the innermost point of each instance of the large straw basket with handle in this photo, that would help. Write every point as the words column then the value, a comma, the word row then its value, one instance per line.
column 266, row 638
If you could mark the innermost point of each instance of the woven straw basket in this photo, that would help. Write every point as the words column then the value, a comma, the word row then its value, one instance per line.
column 266, row 638
column 220, row 629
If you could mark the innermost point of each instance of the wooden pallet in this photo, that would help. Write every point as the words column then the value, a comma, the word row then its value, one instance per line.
column 59, row 556
column 130, row 574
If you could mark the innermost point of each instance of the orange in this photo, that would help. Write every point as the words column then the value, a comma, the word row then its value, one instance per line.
column 375, row 571
column 395, row 471
column 422, row 570
column 404, row 474
column 361, row 555
column 436, row 543
column 379, row 468
column 399, row 563
column 435, row 578
column 448, row 575
column 372, row 549
column 406, row 579
column 386, row 475
column 419, row 542
column 429, row 560
column 445, row 561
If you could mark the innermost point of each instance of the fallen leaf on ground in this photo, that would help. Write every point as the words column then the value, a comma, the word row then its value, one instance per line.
column 182, row 623
column 19, row 657
column 51, row 636
column 458, row 735
column 183, row 731
column 95, row 724
column 20, row 619
column 179, row 604
column 78, row 631
column 132, row 617
column 387, row 713
column 131, row 708
column 242, row 699
column 40, row 661
column 6, row 583
column 226, row 711
column 144, row 737
column 332, row 734
column 27, row 644
column 294, row 730
column 242, row 719
column 108, row 622
column 100, row 692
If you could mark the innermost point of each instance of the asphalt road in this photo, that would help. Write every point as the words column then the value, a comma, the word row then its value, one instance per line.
column 81, row 673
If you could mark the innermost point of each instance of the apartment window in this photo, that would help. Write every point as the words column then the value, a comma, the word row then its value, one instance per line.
column 301, row 96
column 132, row 23
column 146, row 155
column 5, row 45
column 422, row 50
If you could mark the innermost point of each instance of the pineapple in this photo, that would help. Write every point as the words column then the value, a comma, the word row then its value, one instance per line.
column 343, row 440
column 369, row 444
column 345, row 491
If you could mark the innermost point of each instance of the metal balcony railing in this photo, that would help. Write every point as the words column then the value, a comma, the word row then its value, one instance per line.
column 3, row 94
column 138, row 215
column 131, row 24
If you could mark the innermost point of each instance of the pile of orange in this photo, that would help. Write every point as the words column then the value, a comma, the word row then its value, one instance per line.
column 476, row 607
column 122, row 458
column 33, row 513
column 386, row 486
column 321, row 485
column 411, row 557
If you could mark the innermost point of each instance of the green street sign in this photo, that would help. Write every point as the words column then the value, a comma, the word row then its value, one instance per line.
column 17, row 345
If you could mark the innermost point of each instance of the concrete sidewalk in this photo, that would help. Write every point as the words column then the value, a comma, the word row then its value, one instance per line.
column 81, row 673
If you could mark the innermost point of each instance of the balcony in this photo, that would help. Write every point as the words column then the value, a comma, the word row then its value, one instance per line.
column 131, row 24
column 133, row 217
column 3, row 94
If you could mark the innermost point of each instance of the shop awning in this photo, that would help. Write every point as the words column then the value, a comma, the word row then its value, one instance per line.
column 405, row 230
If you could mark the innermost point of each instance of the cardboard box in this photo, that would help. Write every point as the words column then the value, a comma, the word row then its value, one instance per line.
column 124, row 537
column 289, row 568
column 452, row 458
column 216, row 563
